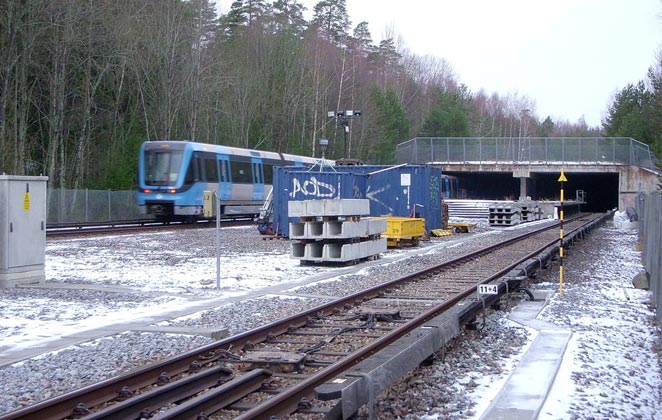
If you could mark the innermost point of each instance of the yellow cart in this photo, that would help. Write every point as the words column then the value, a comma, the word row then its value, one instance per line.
column 461, row 227
column 404, row 230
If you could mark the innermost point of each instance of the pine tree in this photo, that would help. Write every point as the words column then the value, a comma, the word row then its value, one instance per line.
column 331, row 17
column 362, row 40
column 631, row 114
column 392, row 124
column 546, row 128
column 449, row 117
column 288, row 16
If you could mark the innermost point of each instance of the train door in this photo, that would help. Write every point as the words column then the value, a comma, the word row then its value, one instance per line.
column 225, row 181
column 257, row 172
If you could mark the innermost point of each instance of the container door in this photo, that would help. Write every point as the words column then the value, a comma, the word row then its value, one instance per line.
column 257, row 172
column 224, row 181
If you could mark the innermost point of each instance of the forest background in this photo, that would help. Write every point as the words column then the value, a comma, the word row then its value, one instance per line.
column 84, row 82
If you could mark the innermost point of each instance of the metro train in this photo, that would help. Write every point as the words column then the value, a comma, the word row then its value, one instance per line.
column 173, row 175
column 450, row 187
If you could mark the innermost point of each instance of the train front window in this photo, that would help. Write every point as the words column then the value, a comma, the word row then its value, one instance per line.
column 162, row 167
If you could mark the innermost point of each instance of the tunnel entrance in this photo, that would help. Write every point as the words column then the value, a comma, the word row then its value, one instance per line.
column 601, row 189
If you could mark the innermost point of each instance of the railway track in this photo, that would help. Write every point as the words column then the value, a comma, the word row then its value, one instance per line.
column 133, row 226
column 273, row 371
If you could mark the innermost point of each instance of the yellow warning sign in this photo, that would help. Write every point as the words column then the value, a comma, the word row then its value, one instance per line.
column 562, row 178
column 26, row 201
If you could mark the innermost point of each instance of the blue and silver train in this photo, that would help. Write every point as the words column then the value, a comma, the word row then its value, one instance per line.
column 450, row 187
column 173, row 175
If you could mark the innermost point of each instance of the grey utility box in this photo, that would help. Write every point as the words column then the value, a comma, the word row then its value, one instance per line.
column 22, row 229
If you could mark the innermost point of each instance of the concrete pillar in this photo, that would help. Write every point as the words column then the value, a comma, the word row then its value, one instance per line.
column 523, row 174
column 522, row 188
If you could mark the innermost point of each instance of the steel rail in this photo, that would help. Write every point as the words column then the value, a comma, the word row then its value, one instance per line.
column 135, row 226
column 218, row 398
column 286, row 402
column 133, row 406
column 62, row 406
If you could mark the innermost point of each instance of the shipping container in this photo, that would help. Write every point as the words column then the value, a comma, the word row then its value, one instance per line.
column 403, row 190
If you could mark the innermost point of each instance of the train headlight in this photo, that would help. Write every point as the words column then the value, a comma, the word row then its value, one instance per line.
column 147, row 191
column 172, row 191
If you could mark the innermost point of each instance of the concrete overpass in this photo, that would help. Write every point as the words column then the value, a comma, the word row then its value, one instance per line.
column 611, row 171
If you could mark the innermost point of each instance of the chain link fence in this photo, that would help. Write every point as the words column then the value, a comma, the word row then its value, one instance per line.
column 91, row 206
column 541, row 150
column 649, row 209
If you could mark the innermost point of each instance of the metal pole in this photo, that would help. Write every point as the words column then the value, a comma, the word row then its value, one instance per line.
column 562, row 179
column 218, row 240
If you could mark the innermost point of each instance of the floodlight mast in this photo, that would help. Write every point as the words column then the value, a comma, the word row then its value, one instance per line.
column 343, row 118
column 323, row 144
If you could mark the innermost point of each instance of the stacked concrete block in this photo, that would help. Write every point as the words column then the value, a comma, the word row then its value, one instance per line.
column 332, row 231
column 514, row 212
column 530, row 211
column 504, row 214
column 331, row 208
column 347, row 252
column 337, row 229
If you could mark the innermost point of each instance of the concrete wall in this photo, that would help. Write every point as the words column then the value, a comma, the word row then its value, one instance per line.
column 632, row 181
column 648, row 208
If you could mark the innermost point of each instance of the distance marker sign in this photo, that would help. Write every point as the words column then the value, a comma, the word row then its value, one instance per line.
column 488, row 289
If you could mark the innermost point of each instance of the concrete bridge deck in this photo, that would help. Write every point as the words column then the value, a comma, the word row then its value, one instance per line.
column 611, row 171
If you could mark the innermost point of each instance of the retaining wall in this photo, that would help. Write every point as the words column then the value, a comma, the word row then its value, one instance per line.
column 649, row 209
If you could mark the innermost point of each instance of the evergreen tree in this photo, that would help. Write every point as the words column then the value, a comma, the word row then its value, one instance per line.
column 234, row 19
column 362, row 39
column 655, row 78
column 546, row 128
column 288, row 16
column 631, row 114
column 331, row 17
column 449, row 117
column 392, row 124
column 242, row 14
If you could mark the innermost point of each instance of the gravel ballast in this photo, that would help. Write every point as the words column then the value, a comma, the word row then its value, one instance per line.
column 455, row 386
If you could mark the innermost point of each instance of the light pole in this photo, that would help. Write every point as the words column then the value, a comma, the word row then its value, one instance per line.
column 343, row 118
column 323, row 144
column 522, row 130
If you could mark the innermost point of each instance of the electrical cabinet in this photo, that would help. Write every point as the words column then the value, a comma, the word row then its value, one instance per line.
column 22, row 229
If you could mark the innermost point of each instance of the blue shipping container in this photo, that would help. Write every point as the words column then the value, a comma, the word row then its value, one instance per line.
column 392, row 190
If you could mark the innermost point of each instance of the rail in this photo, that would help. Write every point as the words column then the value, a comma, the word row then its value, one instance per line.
column 72, row 229
column 334, row 336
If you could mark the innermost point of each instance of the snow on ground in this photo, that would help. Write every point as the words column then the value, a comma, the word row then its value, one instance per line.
column 611, row 367
column 114, row 261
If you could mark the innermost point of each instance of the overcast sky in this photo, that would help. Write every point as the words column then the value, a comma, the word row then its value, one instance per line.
column 569, row 56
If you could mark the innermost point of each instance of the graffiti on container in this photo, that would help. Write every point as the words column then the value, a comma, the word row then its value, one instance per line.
column 312, row 188
column 435, row 198
column 372, row 195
